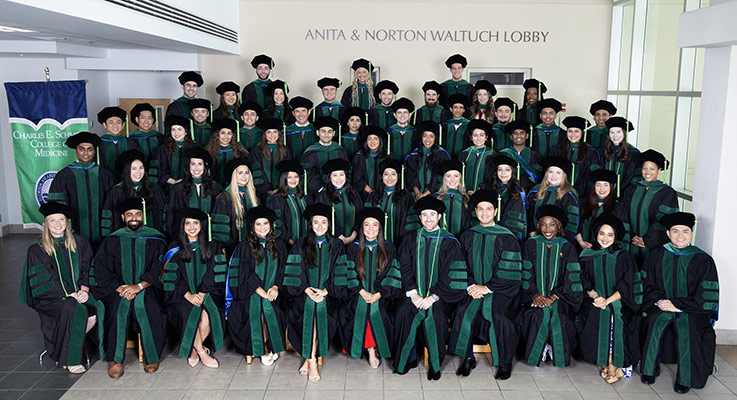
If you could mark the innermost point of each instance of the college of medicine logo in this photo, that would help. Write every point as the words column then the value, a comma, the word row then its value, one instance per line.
column 43, row 184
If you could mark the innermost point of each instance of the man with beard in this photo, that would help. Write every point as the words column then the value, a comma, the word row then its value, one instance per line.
column 191, row 82
column 432, row 110
column 254, row 91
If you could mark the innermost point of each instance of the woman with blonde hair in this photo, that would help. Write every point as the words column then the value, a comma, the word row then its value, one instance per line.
column 361, row 92
column 453, row 193
column 557, row 190
column 228, row 219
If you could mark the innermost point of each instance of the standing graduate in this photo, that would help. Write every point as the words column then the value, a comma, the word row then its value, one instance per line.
column 316, row 278
column 504, row 113
column 264, row 158
column 399, row 144
column 602, row 200
column 646, row 203
column 256, row 319
column 534, row 90
column 367, row 161
column 609, row 315
column 494, row 260
column 191, row 82
column 350, row 130
column 344, row 200
column 453, row 131
column 395, row 201
column 55, row 283
column 361, row 91
column 193, row 277
column 278, row 106
column 477, row 157
column 83, row 185
column 452, row 193
column 224, row 147
column 551, row 290
column 170, row 155
column 424, row 162
column 482, row 102
column 546, row 134
column 229, row 212
column 201, row 121
column 147, row 138
column 555, row 189
column 196, row 190
column 134, row 182
column 289, row 202
column 301, row 134
column 618, row 155
column 511, row 205
column 585, row 158
column 432, row 110
column 601, row 110
column 434, row 280
column 254, row 91
column 682, row 295
column 250, row 134
column 127, row 268
column 456, row 84
column 530, row 172
column 382, row 115
column 330, row 106
column 114, row 142
column 365, row 322
column 316, row 155
column 229, row 101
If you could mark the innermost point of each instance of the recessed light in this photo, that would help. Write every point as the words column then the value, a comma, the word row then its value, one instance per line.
column 13, row 29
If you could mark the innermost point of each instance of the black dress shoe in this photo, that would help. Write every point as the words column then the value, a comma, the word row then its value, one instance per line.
column 503, row 373
column 433, row 376
column 680, row 388
column 410, row 365
column 647, row 379
column 466, row 367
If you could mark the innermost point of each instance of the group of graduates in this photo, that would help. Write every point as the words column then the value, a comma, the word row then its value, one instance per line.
column 466, row 221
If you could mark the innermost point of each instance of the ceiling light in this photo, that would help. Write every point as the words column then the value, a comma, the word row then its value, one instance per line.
column 13, row 30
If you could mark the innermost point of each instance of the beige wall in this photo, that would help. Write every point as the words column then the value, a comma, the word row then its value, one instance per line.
column 572, row 61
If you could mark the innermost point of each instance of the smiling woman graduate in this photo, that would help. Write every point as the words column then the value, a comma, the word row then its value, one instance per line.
column 534, row 90
column 555, row 189
column 618, row 155
column 361, row 91
column 170, row 156
column 289, row 202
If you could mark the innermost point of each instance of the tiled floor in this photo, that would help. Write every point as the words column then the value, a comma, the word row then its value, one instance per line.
column 21, row 375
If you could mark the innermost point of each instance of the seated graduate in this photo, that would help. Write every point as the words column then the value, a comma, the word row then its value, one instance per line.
column 618, row 155
column 434, row 280
column 601, row 110
column 330, row 106
column 229, row 101
column 264, row 158
column 551, row 290
column 456, row 84
column 494, row 260
column 114, row 141
column 602, row 200
column 365, row 320
column 170, row 157
column 361, row 91
column 193, row 277
column 352, row 123
column 399, row 145
column 83, row 185
column 453, row 130
column 249, row 134
column 534, row 90
column 528, row 159
column 482, row 101
column 368, row 159
column 646, row 202
column 457, row 217
column 255, row 91
column 255, row 312
column 134, row 182
column 382, row 114
column 146, row 137
column 315, row 278
column 301, row 134
column 511, row 206
column 224, row 147
column 395, row 201
column 504, row 113
column 585, row 158
column 423, row 163
column 200, row 116
column 432, row 110
column 316, row 155
column 555, row 189
column 609, row 315
column 278, row 104
column 229, row 210
column 57, row 270
column 476, row 158
column 681, row 296
column 289, row 202
column 546, row 134
column 344, row 200
column 127, row 283
column 197, row 189
column 191, row 82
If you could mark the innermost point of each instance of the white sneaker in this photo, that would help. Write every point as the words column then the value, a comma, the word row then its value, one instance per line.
column 547, row 351
column 268, row 359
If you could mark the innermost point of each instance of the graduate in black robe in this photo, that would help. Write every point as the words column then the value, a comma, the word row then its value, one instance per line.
column 114, row 141
column 316, row 278
column 620, row 157
column 229, row 101
column 530, row 173
column 456, row 84
column 330, row 106
column 681, row 299
column 264, row 158
column 585, row 158
column 477, row 157
column 365, row 322
column 432, row 110
column 361, row 91
column 609, row 312
column 555, row 189
column 289, row 202
column 127, row 268
column 401, row 134
column 512, row 202
column 367, row 160
column 147, row 139
column 423, row 164
column 193, row 276
column 395, row 201
column 229, row 211
column 200, row 115
column 249, row 132
column 344, row 200
column 382, row 115
column 57, row 286
column 317, row 154
column 453, row 130
column 83, row 185
column 170, row 156
column 300, row 134
column 494, row 260
column 353, row 122
column 256, row 317
column 434, row 280
column 278, row 106
column 191, row 82
column 483, row 106
column 602, row 200
column 534, row 90
column 254, row 91
column 457, row 217
column 551, row 291
column 597, row 135
column 224, row 147
column 546, row 134
column 505, row 112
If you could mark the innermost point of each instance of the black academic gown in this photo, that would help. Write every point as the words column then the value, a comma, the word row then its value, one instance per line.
column 180, row 107
column 325, row 109
column 254, row 91
column 452, row 135
column 246, row 309
column 197, row 199
column 646, row 203
column 265, row 174
column 421, row 173
column 512, row 213
column 289, row 223
column 544, row 137
column 547, row 271
column 396, row 210
column 366, row 172
column 314, row 157
column 227, row 227
column 110, row 148
column 356, row 316
column 148, row 143
column 629, row 171
column 586, row 228
column 436, row 114
column 581, row 170
column 180, row 277
column 529, row 170
column 362, row 99
column 688, row 278
column 155, row 210
column 568, row 203
column 399, row 144
column 83, row 187
column 345, row 210
column 382, row 116
column 494, row 259
column 457, row 217
column 476, row 166
column 127, row 258
column 170, row 166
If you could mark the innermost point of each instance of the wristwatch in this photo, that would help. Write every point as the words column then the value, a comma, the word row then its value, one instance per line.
column 140, row 286
column 435, row 297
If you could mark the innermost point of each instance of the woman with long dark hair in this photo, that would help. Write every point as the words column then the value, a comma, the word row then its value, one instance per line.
column 289, row 202
column 224, row 147
column 344, row 200
column 278, row 106
column 482, row 102
column 366, row 162
column 512, row 202
column 170, row 157
column 264, row 158
column 395, row 201
column 534, row 90
column 477, row 156
column 572, row 147
column 555, row 189
column 424, row 162
column 602, row 200
column 229, row 211
column 618, row 155
column 229, row 101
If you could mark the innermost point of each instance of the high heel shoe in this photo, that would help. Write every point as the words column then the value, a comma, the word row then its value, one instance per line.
column 313, row 378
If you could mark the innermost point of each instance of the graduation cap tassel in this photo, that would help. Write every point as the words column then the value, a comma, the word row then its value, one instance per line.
column 498, row 206
column 313, row 113
column 305, row 182
column 211, row 112
column 385, row 219
column 617, row 185
column 284, row 130
column 191, row 129
column 143, row 200
column 389, row 143
column 127, row 129
column 414, row 119
column 585, row 130
column 573, row 174
column 272, row 72
column 532, row 133
column 463, row 174
column 518, row 168
column 693, row 237
column 209, row 228
column 402, row 177
column 340, row 134
column 204, row 90
column 539, row 92
column 514, row 112
column 332, row 226
column 238, row 130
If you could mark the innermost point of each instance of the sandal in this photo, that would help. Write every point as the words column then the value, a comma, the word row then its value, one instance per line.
column 210, row 364
column 618, row 373
column 76, row 369
column 604, row 372
column 303, row 369
column 314, row 378
column 373, row 359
